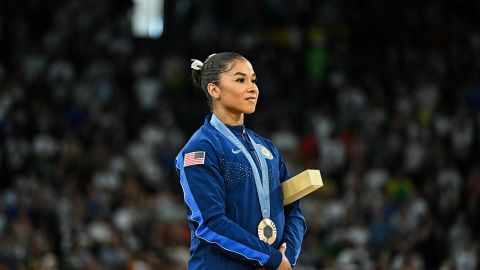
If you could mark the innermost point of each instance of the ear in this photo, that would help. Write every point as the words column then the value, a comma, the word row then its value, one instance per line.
column 213, row 91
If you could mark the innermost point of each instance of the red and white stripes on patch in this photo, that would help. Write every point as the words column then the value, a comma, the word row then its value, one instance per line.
column 194, row 158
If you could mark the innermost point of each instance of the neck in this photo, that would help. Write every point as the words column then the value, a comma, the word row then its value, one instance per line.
column 228, row 118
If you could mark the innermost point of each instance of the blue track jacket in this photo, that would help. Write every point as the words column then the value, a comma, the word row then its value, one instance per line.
column 222, row 203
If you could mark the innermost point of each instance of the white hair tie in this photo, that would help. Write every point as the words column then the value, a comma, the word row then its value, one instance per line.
column 196, row 64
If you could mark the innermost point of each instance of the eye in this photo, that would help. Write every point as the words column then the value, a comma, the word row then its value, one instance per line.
column 240, row 80
column 254, row 81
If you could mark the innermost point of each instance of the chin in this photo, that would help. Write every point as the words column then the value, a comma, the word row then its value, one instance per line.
column 249, row 111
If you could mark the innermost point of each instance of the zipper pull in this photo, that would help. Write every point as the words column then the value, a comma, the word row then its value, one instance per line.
column 247, row 139
column 244, row 134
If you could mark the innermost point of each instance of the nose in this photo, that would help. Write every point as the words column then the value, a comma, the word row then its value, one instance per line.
column 253, row 88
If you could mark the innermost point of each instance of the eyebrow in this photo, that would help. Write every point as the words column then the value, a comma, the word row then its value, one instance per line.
column 243, row 74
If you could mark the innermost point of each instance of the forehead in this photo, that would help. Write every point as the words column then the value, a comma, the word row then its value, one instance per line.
column 242, row 66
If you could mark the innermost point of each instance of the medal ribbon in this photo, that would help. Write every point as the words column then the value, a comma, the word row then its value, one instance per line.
column 262, row 184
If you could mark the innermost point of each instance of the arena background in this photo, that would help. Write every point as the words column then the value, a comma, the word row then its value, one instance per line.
column 382, row 96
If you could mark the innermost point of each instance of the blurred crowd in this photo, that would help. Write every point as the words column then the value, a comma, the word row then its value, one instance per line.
column 383, row 98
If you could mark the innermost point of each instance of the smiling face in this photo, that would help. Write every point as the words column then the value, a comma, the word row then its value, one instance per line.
column 237, row 91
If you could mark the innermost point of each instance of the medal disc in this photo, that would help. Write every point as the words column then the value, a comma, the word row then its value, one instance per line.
column 267, row 231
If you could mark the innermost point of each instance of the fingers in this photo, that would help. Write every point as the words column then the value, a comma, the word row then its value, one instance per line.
column 283, row 248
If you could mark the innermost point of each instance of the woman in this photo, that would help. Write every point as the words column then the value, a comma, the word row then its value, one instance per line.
column 231, row 179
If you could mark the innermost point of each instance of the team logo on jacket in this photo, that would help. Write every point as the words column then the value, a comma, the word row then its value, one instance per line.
column 265, row 152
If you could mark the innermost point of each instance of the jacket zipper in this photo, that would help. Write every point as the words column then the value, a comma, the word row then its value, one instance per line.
column 246, row 138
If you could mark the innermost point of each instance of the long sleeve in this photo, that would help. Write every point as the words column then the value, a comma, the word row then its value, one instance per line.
column 204, row 195
column 295, row 226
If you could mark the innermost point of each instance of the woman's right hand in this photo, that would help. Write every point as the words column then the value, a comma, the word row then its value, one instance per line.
column 285, row 264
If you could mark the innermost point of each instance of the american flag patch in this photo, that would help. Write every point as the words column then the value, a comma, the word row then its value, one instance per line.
column 194, row 158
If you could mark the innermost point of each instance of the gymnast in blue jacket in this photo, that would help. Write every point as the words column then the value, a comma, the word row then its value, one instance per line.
column 231, row 179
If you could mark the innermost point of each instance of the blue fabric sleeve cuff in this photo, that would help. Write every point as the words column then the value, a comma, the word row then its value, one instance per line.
column 274, row 261
column 290, row 254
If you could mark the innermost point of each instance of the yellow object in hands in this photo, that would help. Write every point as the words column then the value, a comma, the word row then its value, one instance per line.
column 301, row 185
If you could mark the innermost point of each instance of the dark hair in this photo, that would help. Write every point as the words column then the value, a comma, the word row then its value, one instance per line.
column 210, row 72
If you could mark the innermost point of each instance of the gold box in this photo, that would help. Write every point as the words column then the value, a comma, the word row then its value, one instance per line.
column 301, row 185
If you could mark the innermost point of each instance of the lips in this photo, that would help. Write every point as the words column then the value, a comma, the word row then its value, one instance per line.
column 251, row 99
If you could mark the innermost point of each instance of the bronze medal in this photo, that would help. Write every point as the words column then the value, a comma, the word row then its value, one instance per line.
column 267, row 231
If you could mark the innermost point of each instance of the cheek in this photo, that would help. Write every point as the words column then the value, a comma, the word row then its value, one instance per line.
column 234, row 95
